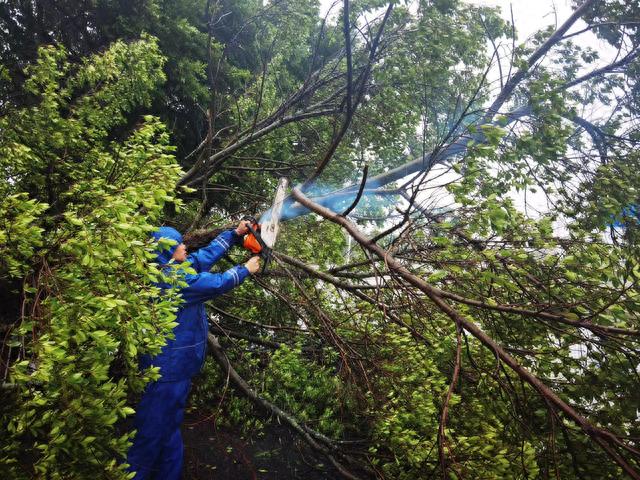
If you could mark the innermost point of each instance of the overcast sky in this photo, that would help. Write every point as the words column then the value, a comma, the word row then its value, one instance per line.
column 532, row 15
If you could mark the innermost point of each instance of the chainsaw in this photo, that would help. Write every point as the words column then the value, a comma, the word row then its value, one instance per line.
column 262, row 237
column 254, row 242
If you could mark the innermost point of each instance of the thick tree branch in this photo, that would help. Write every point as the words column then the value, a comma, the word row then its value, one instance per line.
column 521, row 74
column 363, row 182
column 601, row 71
column 347, row 46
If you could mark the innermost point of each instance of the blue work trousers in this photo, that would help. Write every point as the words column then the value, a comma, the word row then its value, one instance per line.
column 157, row 451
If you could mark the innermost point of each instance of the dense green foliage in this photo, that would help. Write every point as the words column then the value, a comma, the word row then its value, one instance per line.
column 108, row 108
column 78, row 207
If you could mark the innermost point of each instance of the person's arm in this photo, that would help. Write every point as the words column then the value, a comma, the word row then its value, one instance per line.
column 205, row 285
column 203, row 259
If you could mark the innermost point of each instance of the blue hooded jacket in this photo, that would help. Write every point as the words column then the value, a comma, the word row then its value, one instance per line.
column 182, row 357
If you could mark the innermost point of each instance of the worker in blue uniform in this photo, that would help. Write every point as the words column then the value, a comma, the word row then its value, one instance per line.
column 157, row 450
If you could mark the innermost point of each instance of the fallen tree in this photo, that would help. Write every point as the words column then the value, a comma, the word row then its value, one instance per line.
column 458, row 337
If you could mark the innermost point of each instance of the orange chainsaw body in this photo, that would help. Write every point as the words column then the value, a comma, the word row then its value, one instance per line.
column 251, row 242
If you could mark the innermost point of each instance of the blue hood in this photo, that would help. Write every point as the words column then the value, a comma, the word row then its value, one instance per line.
column 170, row 233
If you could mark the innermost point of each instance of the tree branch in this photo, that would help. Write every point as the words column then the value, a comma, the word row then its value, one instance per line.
column 350, row 111
column 218, row 354
column 602, row 437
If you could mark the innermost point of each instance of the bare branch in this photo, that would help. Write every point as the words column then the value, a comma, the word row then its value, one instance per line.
column 363, row 182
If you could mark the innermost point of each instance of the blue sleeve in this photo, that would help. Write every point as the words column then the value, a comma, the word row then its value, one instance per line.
column 204, row 286
column 203, row 259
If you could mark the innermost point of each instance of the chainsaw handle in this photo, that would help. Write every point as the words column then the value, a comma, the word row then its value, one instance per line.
column 248, row 218
column 245, row 223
